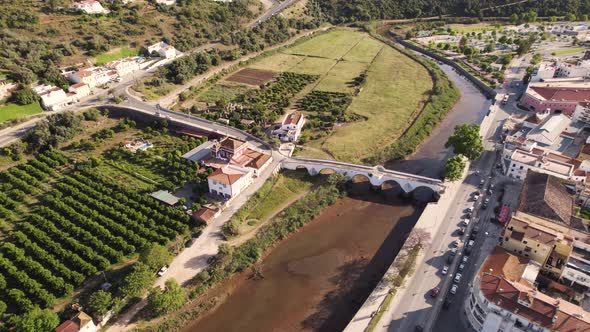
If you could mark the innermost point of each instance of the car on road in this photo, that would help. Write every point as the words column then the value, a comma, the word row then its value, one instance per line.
column 457, row 278
column 461, row 267
column 445, row 270
column 465, row 259
column 162, row 271
column 475, row 230
column 434, row 292
column 418, row 328
column 481, row 183
column 470, row 243
column 454, row 289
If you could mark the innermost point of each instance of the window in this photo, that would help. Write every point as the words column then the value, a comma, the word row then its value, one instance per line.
column 521, row 167
column 525, row 242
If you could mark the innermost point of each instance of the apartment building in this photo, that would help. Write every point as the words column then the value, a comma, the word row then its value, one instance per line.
column 503, row 297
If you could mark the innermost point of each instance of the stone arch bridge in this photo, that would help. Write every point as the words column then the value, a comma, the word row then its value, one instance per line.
column 377, row 175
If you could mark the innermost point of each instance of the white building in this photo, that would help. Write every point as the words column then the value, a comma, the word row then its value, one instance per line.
column 166, row 2
column 81, row 322
column 124, row 66
column 578, row 69
column 545, row 70
column 93, row 76
column 534, row 143
column 80, row 89
column 163, row 49
column 290, row 128
column 229, row 181
column 54, row 98
column 90, row 7
column 503, row 298
column 582, row 113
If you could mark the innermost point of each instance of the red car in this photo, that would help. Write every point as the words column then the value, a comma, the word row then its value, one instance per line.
column 434, row 292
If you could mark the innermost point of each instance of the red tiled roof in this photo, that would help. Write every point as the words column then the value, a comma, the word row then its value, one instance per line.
column 219, row 175
column 231, row 143
column 78, row 85
column 293, row 118
column 205, row 214
column 565, row 94
column 68, row 326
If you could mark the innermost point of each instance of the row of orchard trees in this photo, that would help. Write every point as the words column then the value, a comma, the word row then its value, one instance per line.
column 83, row 225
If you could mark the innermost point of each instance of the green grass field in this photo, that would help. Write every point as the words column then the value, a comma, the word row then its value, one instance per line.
column 469, row 28
column 339, row 77
column 365, row 50
column 395, row 90
column 332, row 45
column 221, row 91
column 568, row 51
column 116, row 54
column 10, row 111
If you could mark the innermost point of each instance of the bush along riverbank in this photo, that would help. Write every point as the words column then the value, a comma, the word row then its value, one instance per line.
column 231, row 260
column 443, row 97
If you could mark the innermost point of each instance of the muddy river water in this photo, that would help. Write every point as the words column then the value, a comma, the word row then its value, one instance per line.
column 318, row 278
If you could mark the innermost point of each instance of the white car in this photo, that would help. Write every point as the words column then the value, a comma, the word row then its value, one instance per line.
column 454, row 289
column 461, row 267
column 162, row 271
column 465, row 222
column 445, row 270
column 470, row 209
column 457, row 278
column 465, row 259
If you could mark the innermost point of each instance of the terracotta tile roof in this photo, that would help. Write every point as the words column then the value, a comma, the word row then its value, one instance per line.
column 84, row 73
column 562, row 93
column 293, row 118
column 68, row 326
column 231, row 143
column 545, row 196
column 505, row 264
column 259, row 161
column 227, row 178
column 78, row 85
column 205, row 214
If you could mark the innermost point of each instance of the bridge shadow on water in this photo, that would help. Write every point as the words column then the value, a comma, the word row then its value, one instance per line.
column 355, row 281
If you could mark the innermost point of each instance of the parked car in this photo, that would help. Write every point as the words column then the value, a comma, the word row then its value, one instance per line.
column 470, row 209
column 465, row 222
column 481, row 183
column 475, row 198
column 453, row 251
column 475, row 230
column 455, row 244
column 468, row 215
column 457, row 278
column 434, row 292
column 461, row 267
column 445, row 270
column 454, row 289
column 470, row 243
column 465, row 259
column 461, row 230
column 162, row 271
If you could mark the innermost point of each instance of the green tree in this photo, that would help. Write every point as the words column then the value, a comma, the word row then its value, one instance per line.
column 25, row 96
column 99, row 303
column 164, row 301
column 36, row 320
column 155, row 256
column 570, row 17
column 2, row 307
column 454, row 168
column 138, row 280
column 514, row 19
column 466, row 141
column 463, row 42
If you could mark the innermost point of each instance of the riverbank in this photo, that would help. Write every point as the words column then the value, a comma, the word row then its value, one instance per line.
column 318, row 277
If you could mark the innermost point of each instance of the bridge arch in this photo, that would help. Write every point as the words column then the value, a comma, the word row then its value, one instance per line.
column 424, row 194
column 360, row 178
column 327, row 171
column 392, row 187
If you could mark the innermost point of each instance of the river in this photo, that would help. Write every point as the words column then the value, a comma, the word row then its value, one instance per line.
column 318, row 278
column 429, row 158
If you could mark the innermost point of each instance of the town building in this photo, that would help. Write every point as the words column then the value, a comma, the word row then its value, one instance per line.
column 206, row 214
column 557, row 97
column 164, row 50
column 503, row 297
column 582, row 113
column 124, row 66
column 229, row 181
column 166, row 2
column 93, row 76
column 80, row 89
column 290, row 127
column 54, row 98
column 543, row 143
column 578, row 68
column 90, row 7
column 79, row 323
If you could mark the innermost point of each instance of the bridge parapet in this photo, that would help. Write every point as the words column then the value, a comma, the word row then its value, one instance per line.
column 377, row 175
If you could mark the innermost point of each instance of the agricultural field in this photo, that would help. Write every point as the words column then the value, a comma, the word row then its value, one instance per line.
column 382, row 91
column 251, row 76
column 10, row 111
column 116, row 54
column 81, row 208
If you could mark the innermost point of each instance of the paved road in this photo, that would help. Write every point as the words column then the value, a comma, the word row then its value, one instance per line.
column 274, row 10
